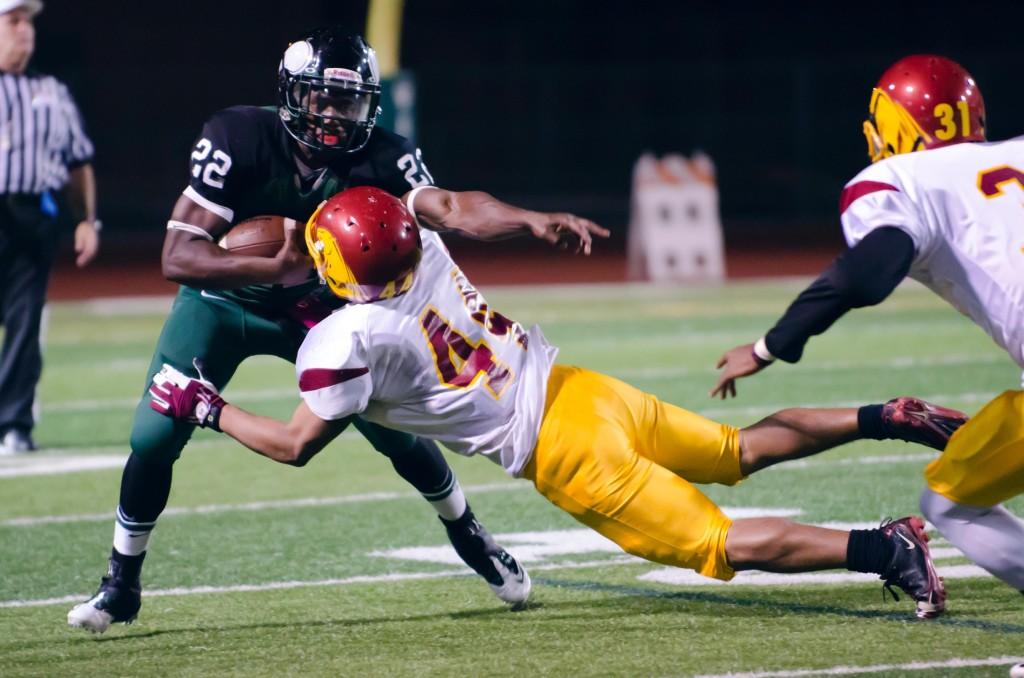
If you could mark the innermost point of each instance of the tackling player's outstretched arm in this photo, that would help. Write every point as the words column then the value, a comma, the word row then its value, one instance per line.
column 191, row 255
column 293, row 443
column 480, row 215
column 176, row 395
column 864, row 275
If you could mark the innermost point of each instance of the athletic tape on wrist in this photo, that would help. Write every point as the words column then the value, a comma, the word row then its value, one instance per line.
column 173, row 225
column 762, row 356
column 410, row 200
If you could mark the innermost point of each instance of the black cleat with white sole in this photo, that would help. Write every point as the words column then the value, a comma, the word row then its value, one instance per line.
column 117, row 600
column 507, row 578
column 911, row 568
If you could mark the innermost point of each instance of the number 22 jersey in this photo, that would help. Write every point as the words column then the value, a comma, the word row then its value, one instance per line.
column 963, row 206
column 436, row 361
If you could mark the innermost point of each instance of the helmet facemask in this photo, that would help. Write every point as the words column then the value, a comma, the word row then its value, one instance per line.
column 890, row 130
column 330, row 117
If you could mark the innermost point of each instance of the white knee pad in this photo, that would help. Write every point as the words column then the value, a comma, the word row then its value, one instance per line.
column 937, row 509
column 990, row 536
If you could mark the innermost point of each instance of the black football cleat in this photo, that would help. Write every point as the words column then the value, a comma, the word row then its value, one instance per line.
column 916, row 421
column 477, row 548
column 115, row 601
column 911, row 567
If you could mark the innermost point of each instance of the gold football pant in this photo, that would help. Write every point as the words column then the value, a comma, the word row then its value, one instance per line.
column 983, row 464
column 622, row 462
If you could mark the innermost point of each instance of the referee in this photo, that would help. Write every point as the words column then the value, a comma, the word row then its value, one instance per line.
column 43, row 148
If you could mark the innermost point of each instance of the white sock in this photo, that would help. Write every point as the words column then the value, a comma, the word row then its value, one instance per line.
column 449, row 502
column 990, row 536
column 131, row 538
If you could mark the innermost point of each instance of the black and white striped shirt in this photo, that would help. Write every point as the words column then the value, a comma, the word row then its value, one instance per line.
column 41, row 134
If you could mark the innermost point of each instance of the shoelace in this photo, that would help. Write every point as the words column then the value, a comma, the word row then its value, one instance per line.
column 887, row 587
column 887, row 584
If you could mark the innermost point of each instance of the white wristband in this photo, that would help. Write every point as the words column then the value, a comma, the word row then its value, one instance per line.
column 762, row 352
column 410, row 200
column 173, row 225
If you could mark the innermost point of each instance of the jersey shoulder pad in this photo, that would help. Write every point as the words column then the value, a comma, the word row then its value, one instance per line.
column 876, row 198
column 230, row 150
column 396, row 162
column 872, row 179
column 333, row 367
column 234, row 127
column 334, row 340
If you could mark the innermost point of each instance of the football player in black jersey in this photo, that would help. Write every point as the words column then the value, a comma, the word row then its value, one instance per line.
column 249, row 161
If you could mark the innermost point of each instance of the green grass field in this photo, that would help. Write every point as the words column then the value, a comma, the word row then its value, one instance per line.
column 338, row 568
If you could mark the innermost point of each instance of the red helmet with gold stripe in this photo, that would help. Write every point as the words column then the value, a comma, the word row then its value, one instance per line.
column 923, row 101
column 365, row 244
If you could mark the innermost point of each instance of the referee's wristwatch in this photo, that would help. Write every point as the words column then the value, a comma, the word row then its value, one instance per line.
column 97, row 225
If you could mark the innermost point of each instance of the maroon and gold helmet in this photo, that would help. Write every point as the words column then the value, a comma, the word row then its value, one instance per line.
column 923, row 101
column 365, row 244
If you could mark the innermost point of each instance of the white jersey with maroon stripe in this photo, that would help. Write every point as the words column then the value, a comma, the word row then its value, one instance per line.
column 963, row 206
column 436, row 361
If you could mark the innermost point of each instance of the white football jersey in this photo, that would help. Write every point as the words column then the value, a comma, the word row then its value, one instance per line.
column 963, row 206
column 436, row 361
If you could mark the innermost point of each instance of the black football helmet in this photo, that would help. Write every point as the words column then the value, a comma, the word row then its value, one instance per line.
column 328, row 90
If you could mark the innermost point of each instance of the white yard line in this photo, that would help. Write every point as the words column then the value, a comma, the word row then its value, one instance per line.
column 46, row 466
column 29, row 521
column 876, row 668
column 105, row 307
column 280, row 585
column 954, row 572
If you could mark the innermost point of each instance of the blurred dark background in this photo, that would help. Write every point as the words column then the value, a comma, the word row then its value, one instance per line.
column 547, row 104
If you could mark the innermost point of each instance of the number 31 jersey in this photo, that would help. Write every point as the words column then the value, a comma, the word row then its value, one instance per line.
column 436, row 361
column 963, row 206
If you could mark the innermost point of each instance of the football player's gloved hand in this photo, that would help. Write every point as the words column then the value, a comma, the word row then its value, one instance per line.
column 177, row 395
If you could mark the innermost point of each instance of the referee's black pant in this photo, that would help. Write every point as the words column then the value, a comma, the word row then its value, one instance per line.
column 28, row 242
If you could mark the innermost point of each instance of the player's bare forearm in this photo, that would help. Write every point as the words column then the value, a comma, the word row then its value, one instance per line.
column 191, row 255
column 191, row 260
column 480, row 215
column 294, row 442
column 471, row 213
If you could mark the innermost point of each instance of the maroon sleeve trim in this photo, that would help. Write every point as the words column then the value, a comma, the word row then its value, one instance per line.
column 859, row 190
column 317, row 378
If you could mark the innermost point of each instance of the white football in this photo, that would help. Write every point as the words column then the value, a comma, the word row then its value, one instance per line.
column 1017, row 671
